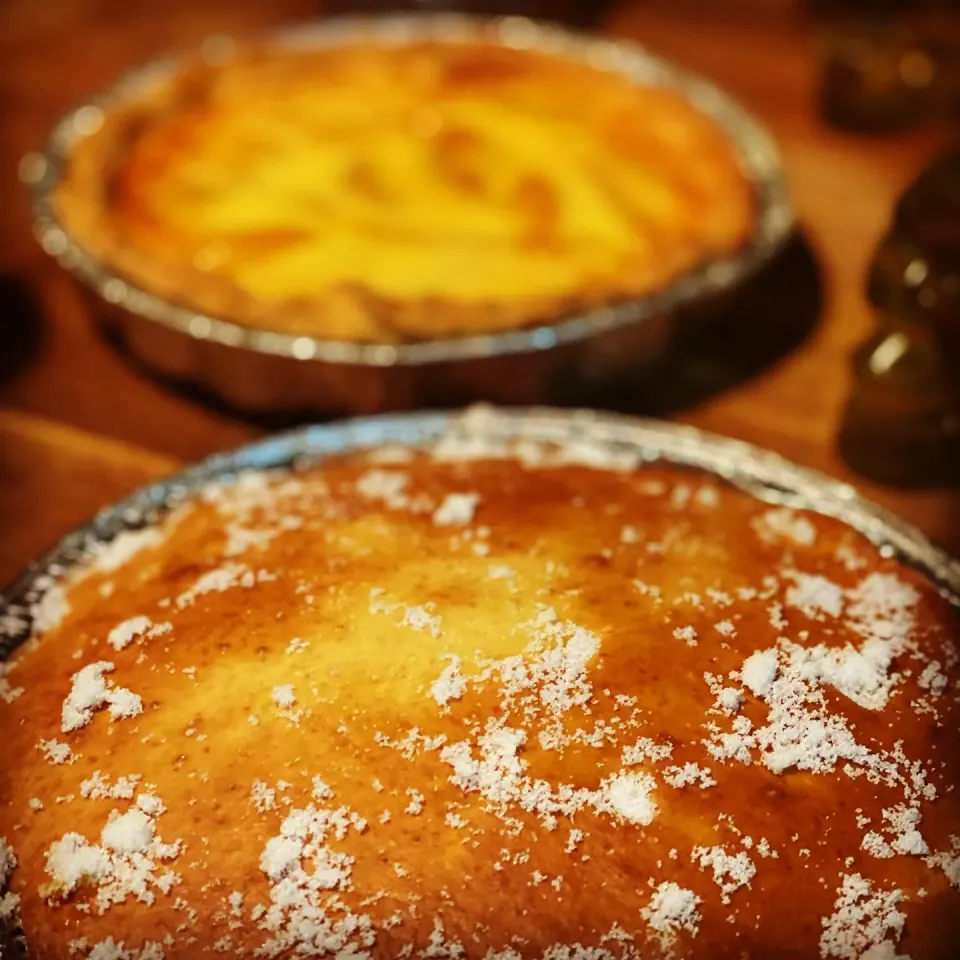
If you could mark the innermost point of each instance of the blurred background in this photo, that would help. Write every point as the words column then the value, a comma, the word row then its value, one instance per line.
column 836, row 355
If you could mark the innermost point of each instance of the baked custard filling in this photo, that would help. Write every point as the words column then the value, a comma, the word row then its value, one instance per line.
column 375, row 192
column 469, row 705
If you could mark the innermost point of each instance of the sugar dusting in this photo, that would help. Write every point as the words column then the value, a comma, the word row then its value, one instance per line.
column 111, row 556
column 129, row 862
column 948, row 861
column 55, row 751
column 48, row 612
column 8, row 861
column 791, row 679
column 123, row 634
column 863, row 919
column 776, row 709
column 457, row 509
column 308, row 875
column 672, row 909
column 8, row 692
column 9, row 902
column 110, row 949
column 784, row 524
column 450, row 685
column 91, row 691
column 730, row 871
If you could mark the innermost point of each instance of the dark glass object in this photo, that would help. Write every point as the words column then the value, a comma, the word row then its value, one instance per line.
column 582, row 14
column 888, row 64
column 876, row 78
column 915, row 273
column 903, row 420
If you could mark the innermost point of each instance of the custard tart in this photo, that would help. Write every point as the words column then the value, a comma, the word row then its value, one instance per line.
column 381, row 192
column 543, row 702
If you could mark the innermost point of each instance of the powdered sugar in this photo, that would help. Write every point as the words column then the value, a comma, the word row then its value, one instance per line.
column 814, row 595
column 214, row 581
column 416, row 617
column 645, row 749
column 91, row 691
column 8, row 692
column 730, row 871
column 128, row 833
column 688, row 774
column 127, row 862
column 415, row 804
column 420, row 618
column 450, row 685
column 781, row 523
column 948, row 861
column 671, row 909
column 122, row 635
column 800, row 730
column 306, row 914
column 388, row 486
column 8, row 861
column 456, row 509
column 729, row 699
column 9, row 902
column 111, row 556
column 9, row 908
column 48, row 611
column 862, row 919
column 881, row 606
column 759, row 671
column 263, row 796
column 98, row 787
column 629, row 795
column 110, row 949
column 901, row 823
column 933, row 678
column 285, row 699
column 56, row 752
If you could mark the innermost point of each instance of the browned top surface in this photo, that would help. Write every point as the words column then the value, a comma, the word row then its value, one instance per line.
column 468, row 678
column 373, row 192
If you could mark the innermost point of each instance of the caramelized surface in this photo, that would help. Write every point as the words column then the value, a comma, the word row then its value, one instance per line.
column 383, row 193
column 567, row 632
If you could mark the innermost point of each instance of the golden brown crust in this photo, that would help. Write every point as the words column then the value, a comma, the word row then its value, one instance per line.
column 433, row 190
column 361, row 626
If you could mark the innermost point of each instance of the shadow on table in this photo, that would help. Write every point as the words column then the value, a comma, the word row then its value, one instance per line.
column 21, row 326
column 752, row 330
column 755, row 328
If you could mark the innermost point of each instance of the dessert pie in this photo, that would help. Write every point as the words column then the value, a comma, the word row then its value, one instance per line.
column 470, row 702
column 371, row 192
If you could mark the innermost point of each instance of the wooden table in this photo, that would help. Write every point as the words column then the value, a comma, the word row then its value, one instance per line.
column 79, row 426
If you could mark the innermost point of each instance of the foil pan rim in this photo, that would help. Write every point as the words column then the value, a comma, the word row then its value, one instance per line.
column 758, row 472
column 759, row 157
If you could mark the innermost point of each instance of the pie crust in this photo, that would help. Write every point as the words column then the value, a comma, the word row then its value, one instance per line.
column 385, row 193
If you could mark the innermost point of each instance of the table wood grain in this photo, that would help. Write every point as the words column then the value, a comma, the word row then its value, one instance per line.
column 54, row 477
column 80, row 425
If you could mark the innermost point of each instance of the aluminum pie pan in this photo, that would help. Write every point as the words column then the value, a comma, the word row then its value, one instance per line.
column 265, row 370
column 613, row 439
column 609, row 439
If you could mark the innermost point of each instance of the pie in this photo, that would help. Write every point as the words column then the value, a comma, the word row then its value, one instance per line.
column 381, row 193
column 470, row 702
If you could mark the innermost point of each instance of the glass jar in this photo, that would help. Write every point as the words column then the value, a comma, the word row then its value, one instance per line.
column 903, row 421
